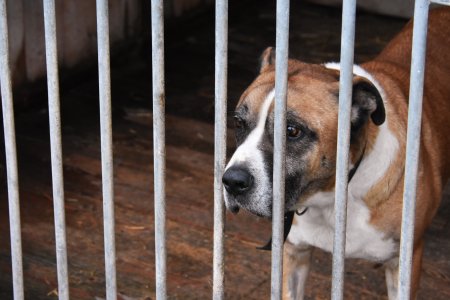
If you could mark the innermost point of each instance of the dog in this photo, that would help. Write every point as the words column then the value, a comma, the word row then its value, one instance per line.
column 377, row 153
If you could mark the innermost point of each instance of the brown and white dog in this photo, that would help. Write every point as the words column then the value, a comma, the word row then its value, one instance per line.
column 377, row 153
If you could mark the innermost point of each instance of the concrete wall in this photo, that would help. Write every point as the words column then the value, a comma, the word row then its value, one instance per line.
column 396, row 8
column 76, row 30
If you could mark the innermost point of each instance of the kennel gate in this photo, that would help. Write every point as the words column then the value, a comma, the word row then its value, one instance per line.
column 282, row 36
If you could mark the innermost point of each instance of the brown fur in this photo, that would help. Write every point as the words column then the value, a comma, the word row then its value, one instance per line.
column 313, row 90
column 392, row 69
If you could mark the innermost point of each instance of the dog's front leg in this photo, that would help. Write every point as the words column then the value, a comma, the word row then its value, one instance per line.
column 416, row 267
column 392, row 277
column 296, row 263
column 392, row 273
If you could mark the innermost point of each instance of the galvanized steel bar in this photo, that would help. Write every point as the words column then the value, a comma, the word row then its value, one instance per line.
column 159, row 147
column 279, row 157
column 104, row 75
column 11, row 157
column 343, row 145
column 56, row 147
column 412, row 146
column 220, row 137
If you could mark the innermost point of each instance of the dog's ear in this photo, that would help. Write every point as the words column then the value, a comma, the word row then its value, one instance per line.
column 366, row 102
column 266, row 59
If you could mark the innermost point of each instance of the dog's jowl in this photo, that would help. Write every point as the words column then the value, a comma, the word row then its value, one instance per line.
column 377, row 153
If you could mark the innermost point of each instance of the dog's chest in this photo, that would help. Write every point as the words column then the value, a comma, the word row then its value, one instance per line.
column 316, row 228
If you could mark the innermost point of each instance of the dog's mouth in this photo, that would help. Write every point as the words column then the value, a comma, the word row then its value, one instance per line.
column 235, row 204
column 256, row 195
column 250, row 201
column 234, row 208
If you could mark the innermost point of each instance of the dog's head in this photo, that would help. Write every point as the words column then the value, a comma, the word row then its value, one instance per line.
column 311, row 133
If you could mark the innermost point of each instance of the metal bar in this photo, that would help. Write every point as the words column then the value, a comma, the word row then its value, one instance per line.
column 220, row 137
column 279, row 158
column 343, row 145
column 412, row 146
column 56, row 148
column 104, row 75
column 159, row 145
column 11, row 157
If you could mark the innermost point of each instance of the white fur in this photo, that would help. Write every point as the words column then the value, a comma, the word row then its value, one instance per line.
column 249, row 154
column 358, row 70
column 316, row 226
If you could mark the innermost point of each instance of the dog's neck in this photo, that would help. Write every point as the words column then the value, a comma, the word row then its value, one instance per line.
column 289, row 216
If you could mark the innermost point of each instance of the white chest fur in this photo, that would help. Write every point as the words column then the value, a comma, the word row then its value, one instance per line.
column 316, row 228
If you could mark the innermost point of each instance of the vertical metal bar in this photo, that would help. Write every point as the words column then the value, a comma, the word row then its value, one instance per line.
column 343, row 145
column 279, row 158
column 11, row 157
column 159, row 145
column 56, row 148
column 412, row 146
column 104, row 74
column 220, row 137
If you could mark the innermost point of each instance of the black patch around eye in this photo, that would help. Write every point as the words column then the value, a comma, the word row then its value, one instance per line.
column 293, row 132
column 241, row 111
column 305, row 132
column 240, row 135
column 242, row 126
column 239, row 123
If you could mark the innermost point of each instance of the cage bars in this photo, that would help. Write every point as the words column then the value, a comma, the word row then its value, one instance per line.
column 220, row 138
column 56, row 147
column 159, row 146
column 279, row 152
column 343, row 147
column 104, row 73
column 11, row 157
column 282, row 36
column 412, row 146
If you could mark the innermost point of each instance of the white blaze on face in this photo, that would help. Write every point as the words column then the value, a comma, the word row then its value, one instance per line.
column 248, row 155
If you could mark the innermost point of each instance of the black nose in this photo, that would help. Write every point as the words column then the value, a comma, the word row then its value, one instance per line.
column 237, row 180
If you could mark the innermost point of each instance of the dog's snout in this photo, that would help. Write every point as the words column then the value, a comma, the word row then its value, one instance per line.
column 237, row 181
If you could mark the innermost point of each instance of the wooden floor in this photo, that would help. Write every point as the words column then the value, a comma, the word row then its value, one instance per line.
column 314, row 37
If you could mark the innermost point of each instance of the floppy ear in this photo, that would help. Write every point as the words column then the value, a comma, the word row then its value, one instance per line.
column 266, row 59
column 366, row 101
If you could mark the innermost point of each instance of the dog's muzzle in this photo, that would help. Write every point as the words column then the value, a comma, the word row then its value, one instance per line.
column 237, row 181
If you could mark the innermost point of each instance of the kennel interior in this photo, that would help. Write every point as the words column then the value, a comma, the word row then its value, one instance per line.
column 189, row 46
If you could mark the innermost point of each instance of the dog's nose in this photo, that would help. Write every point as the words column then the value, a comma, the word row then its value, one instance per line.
column 237, row 181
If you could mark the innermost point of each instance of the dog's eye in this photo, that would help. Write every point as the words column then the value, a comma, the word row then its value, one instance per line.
column 239, row 123
column 293, row 132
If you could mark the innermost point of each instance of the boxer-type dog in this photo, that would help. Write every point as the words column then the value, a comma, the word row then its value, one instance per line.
column 377, row 153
